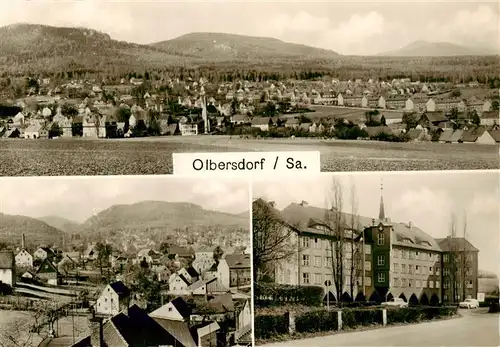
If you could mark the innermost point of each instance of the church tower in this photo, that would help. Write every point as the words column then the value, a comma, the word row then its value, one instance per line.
column 381, row 212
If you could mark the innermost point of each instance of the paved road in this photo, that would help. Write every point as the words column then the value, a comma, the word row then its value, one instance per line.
column 475, row 328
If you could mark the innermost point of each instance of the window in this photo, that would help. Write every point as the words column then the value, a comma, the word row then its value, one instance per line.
column 403, row 282
column 412, row 255
column 446, row 272
column 380, row 260
column 368, row 265
column 368, row 249
column 417, row 269
column 438, row 271
column 410, row 283
column 329, row 261
column 410, row 269
column 380, row 239
column 381, row 277
column 446, row 258
column 405, row 254
column 396, row 282
column 368, row 281
column 395, row 266
column 305, row 242
column 318, row 279
column 317, row 261
column 446, row 285
column 437, row 284
column 403, row 268
column 305, row 260
column 305, row 278
column 417, row 283
column 317, row 243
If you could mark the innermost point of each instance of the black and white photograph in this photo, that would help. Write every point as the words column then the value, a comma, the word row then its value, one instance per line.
column 125, row 261
column 95, row 87
column 378, row 259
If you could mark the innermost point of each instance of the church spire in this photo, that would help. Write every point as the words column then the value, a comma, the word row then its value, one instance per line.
column 381, row 213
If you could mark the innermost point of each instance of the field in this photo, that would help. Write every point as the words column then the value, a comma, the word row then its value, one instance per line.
column 19, row 157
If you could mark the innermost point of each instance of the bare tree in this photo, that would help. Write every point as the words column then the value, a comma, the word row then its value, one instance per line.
column 356, row 250
column 451, row 278
column 334, row 227
column 271, row 238
column 18, row 333
column 465, row 261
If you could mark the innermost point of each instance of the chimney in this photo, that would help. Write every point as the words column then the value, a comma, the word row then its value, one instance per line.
column 409, row 225
column 23, row 242
column 373, row 221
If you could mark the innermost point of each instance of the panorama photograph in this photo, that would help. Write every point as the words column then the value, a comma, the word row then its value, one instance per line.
column 378, row 259
column 125, row 261
column 115, row 88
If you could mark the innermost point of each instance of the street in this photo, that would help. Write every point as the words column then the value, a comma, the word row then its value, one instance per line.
column 475, row 328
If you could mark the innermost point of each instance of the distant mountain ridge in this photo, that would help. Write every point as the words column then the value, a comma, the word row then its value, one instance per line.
column 159, row 214
column 61, row 223
column 435, row 49
column 223, row 46
column 36, row 232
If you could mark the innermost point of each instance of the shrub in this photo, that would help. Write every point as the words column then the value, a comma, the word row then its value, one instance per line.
column 316, row 321
column 352, row 318
column 494, row 307
column 267, row 326
column 266, row 293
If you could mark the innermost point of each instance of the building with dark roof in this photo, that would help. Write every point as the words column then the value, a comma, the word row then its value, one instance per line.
column 114, row 298
column 460, row 268
column 7, row 268
column 400, row 259
column 131, row 327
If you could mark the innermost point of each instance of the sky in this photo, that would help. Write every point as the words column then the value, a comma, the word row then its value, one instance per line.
column 352, row 28
column 427, row 199
column 78, row 198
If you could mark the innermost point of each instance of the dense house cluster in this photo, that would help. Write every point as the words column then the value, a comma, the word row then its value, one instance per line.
column 397, row 259
column 209, row 291
column 189, row 107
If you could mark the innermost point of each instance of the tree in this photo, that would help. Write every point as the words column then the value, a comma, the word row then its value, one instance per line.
column 334, row 228
column 271, row 238
column 218, row 252
column 104, row 251
column 465, row 260
column 357, row 251
column 456, row 93
column 383, row 120
column 451, row 276
column 474, row 118
column 494, row 105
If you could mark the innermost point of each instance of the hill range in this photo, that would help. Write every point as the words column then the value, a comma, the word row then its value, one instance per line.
column 35, row 47
column 436, row 49
column 142, row 218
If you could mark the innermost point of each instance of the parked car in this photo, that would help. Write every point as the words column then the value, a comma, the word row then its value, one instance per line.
column 397, row 302
column 469, row 303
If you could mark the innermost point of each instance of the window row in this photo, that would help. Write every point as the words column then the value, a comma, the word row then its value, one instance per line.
column 410, row 283
column 415, row 269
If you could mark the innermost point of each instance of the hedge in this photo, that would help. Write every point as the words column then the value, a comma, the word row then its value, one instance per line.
column 267, row 294
column 315, row 321
column 267, row 326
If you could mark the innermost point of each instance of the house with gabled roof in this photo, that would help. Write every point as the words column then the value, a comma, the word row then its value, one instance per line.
column 176, row 309
column 131, row 327
column 114, row 298
column 44, row 253
column 7, row 268
column 489, row 137
column 48, row 272
column 233, row 270
column 178, row 284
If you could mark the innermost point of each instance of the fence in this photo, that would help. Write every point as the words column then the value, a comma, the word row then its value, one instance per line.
column 271, row 326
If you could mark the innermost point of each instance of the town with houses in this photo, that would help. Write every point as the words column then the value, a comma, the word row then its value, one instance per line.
column 395, row 110
column 99, row 296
